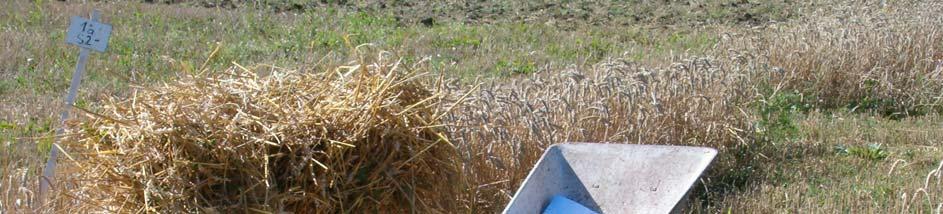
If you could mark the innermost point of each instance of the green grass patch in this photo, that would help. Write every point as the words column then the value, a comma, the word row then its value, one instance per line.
column 870, row 152
column 778, row 114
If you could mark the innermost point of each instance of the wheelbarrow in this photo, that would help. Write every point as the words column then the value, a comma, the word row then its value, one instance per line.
column 611, row 178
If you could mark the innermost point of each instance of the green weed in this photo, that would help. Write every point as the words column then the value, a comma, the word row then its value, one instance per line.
column 778, row 114
column 515, row 67
column 4, row 125
column 871, row 152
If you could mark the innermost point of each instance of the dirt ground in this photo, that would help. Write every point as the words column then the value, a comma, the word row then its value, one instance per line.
column 569, row 14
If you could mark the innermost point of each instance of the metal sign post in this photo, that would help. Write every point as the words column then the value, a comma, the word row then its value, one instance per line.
column 88, row 34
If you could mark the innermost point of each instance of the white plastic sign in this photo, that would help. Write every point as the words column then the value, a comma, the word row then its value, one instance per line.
column 88, row 34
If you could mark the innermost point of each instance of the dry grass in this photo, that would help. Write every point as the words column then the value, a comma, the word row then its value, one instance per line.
column 361, row 137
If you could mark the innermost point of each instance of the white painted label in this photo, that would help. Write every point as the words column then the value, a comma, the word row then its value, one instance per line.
column 88, row 34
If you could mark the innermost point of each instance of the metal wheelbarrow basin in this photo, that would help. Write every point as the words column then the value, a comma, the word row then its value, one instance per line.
column 613, row 178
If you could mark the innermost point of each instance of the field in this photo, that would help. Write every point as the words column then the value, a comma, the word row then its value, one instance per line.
column 815, row 106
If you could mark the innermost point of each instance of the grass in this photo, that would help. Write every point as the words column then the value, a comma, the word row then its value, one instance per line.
column 834, row 109
column 851, row 162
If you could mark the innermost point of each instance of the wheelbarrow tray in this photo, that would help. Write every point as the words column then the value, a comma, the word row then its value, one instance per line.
column 613, row 178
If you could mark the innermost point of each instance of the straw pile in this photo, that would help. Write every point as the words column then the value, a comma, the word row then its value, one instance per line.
column 359, row 138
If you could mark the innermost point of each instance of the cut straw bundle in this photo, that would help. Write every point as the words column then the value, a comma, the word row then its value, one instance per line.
column 360, row 138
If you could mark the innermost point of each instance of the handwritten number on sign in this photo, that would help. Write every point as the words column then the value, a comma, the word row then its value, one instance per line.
column 88, row 34
column 86, row 28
